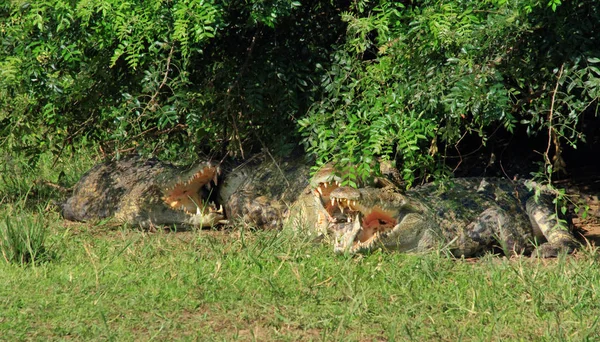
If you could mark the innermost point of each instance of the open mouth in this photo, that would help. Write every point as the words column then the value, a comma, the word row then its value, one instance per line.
column 191, row 193
column 323, row 183
column 358, row 226
column 323, row 194
column 375, row 223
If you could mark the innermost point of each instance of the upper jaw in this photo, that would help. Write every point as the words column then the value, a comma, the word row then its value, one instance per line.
column 322, row 184
column 325, row 182
column 191, row 192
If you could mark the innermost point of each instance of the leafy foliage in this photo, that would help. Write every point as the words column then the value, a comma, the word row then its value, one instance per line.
column 167, row 77
column 412, row 79
column 356, row 82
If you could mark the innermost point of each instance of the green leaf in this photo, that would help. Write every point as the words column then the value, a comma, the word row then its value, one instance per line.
column 593, row 60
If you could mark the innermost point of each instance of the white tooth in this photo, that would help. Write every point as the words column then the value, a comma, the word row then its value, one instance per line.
column 337, row 183
column 342, row 209
column 325, row 184
column 220, row 209
column 349, row 218
column 354, row 203
column 332, row 200
column 320, row 191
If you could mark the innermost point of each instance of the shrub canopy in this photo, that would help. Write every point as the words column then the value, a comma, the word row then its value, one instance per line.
column 355, row 82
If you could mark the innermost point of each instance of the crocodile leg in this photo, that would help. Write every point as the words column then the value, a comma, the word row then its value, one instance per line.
column 543, row 218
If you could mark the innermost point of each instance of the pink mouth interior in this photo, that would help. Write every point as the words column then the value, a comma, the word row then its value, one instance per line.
column 376, row 221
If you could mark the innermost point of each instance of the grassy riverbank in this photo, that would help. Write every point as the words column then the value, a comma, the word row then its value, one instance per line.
column 102, row 281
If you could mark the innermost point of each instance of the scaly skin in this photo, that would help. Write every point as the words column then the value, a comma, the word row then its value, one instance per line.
column 313, row 211
column 469, row 218
column 145, row 192
column 261, row 192
column 267, row 193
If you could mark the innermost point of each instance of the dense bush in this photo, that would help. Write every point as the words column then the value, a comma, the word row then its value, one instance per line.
column 412, row 80
column 172, row 77
column 359, row 80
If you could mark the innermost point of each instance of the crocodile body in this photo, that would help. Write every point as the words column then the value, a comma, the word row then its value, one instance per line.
column 468, row 218
column 146, row 192
column 266, row 193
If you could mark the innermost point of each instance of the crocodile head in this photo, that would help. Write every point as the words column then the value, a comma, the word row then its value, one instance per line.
column 190, row 192
column 145, row 192
column 369, row 218
column 331, row 213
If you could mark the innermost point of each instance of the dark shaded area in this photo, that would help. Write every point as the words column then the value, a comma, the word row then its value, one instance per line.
column 519, row 156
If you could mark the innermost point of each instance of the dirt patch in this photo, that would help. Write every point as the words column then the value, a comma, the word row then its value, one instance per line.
column 589, row 227
column 585, row 191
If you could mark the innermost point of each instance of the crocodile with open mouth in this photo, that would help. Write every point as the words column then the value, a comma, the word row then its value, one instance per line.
column 468, row 218
column 146, row 193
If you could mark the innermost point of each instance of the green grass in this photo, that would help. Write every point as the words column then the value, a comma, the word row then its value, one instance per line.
column 22, row 236
column 119, row 283
column 126, row 284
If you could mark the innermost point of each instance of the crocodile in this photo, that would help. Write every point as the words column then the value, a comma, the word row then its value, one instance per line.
column 147, row 193
column 268, row 193
column 469, row 217
column 274, row 193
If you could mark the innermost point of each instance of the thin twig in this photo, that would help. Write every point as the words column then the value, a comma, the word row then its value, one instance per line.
column 551, row 131
column 71, row 136
column 164, row 81
column 119, row 151
column 274, row 161
column 53, row 185
column 459, row 154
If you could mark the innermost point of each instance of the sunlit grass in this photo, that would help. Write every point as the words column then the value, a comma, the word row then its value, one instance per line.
column 127, row 284
column 120, row 283
column 22, row 236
